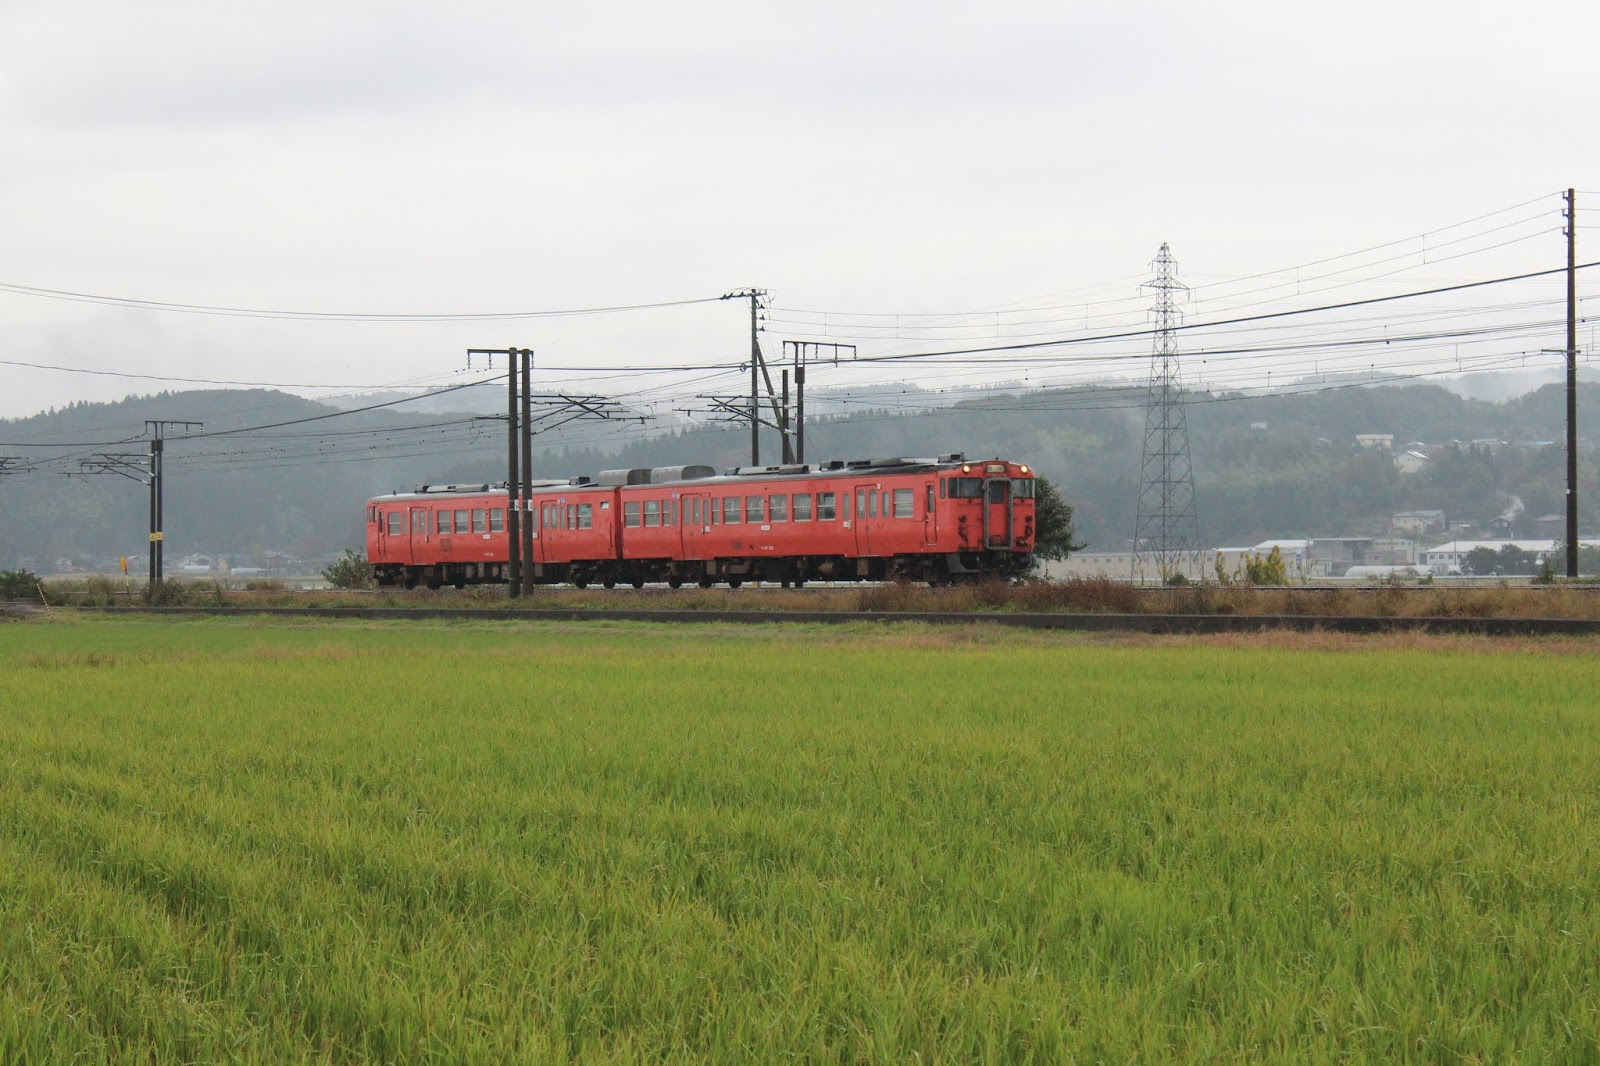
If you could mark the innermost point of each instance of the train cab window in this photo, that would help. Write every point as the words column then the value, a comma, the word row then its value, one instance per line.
column 730, row 510
column 778, row 509
column 630, row 514
column 669, row 515
column 372, row 515
column 905, row 504
column 966, row 488
column 497, row 519
column 480, row 520
column 461, row 522
column 652, row 512
column 825, row 506
column 1022, row 488
column 755, row 509
column 396, row 523
column 442, row 522
column 997, row 491
column 585, row 516
column 802, row 507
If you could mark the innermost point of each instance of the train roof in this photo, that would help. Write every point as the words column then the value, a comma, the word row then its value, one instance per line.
column 702, row 474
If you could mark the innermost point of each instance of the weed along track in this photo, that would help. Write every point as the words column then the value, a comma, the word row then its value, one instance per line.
column 311, row 839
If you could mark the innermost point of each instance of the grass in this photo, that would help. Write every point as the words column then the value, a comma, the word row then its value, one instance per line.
column 491, row 842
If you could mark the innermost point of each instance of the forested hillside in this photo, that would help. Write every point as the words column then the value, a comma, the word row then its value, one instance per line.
column 1277, row 465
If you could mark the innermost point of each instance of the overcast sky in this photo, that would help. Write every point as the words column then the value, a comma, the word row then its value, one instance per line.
column 929, row 157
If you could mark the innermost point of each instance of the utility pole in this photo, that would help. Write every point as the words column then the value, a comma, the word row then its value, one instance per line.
column 1572, row 383
column 520, row 428
column 157, row 428
column 526, row 488
column 803, row 352
column 758, row 368
column 513, row 475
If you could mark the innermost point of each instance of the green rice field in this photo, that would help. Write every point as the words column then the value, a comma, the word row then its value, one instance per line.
column 530, row 842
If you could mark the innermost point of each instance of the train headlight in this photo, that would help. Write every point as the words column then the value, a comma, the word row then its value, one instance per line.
column 966, row 468
column 1024, row 468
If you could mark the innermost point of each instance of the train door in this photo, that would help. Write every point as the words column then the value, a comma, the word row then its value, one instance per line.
column 417, row 542
column 696, row 523
column 997, row 523
column 866, row 507
column 930, row 515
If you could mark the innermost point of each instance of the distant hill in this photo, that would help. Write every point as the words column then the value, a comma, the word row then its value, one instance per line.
column 1265, row 465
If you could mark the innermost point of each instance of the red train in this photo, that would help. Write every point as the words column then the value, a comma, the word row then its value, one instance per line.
column 936, row 520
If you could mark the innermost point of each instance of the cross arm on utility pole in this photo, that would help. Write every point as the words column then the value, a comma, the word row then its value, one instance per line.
column 131, row 465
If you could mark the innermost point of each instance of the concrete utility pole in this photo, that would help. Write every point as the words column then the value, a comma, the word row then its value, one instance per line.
column 157, row 428
column 520, row 423
column 1572, row 383
column 757, row 298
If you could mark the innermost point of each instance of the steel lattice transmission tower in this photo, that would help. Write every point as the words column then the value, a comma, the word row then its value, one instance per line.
column 1167, row 533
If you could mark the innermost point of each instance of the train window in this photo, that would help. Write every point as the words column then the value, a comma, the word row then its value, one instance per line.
column 1022, row 488
column 905, row 504
column 630, row 514
column 652, row 512
column 778, row 509
column 825, row 506
column 966, row 488
column 885, row 511
column 997, row 491
column 419, row 522
column 480, row 520
column 730, row 510
column 572, row 516
column 669, row 512
column 802, row 507
column 585, row 516
column 942, row 483
column 497, row 520
column 442, row 522
column 396, row 523
column 930, row 499
column 861, row 502
column 755, row 509
column 372, row 515
column 461, row 522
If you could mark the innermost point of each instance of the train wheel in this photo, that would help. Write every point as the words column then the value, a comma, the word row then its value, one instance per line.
column 706, row 582
column 610, row 582
column 734, row 582
column 638, row 582
column 411, row 581
column 460, row 584
column 581, row 582
column 674, row 582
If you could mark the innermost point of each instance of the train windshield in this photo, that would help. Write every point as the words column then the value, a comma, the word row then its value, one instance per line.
column 1022, row 488
column 966, row 488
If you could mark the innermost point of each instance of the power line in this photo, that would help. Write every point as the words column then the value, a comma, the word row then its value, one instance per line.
column 337, row 316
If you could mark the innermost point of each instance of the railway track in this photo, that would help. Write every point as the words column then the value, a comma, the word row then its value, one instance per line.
column 1091, row 623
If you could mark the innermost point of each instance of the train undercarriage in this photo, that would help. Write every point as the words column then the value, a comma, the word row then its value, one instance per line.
column 944, row 569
